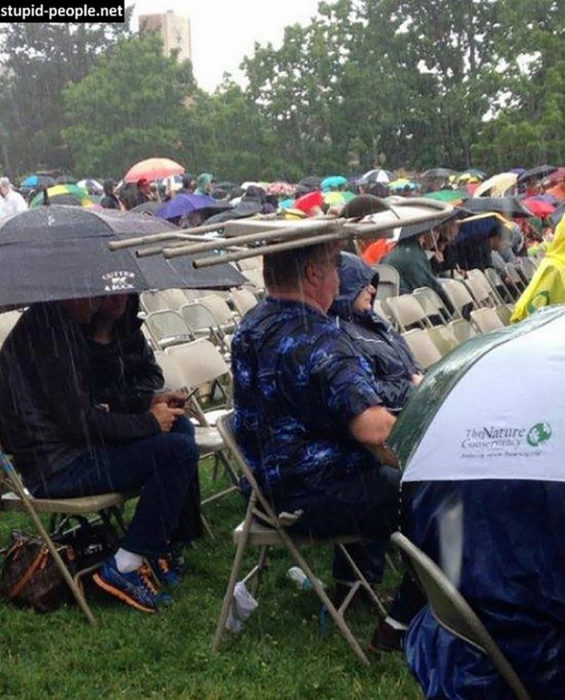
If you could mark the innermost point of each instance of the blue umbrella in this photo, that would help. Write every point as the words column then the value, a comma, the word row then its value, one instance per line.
column 184, row 204
column 32, row 181
column 333, row 181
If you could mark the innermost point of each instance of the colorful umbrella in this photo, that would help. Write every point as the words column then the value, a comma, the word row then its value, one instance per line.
column 280, row 189
column 401, row 183
column 63, row 194
column 556, row 176
column 377, row 175
column 333, row 182
column 32, row 181
column 447, row 195
column 538, row 206
column 153, row 169
column 471, row 175
column 497, row 185
column 337, row 198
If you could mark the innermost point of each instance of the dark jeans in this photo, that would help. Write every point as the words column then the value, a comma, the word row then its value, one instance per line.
column 364, row 504
column 163, row 467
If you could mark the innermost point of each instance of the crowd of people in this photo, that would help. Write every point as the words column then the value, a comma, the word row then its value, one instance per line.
column 319, row 381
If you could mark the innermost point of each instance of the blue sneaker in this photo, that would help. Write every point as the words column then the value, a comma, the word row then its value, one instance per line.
column 136, row 588
column 165, row 571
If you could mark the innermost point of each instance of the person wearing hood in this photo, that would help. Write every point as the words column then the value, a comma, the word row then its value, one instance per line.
column 394, row 367
column 547, row 286
column 205, row 183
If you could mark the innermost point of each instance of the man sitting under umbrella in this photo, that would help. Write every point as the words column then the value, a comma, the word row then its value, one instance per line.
column 309, row 417
column 65, row 445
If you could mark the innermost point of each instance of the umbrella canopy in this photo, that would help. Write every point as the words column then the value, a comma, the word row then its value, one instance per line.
column 280, row 189
column 402, row 182
column 313, row 182
column 511, row 207
column 447, row 195
column 32, row 181
column 66, row 180
column 556, row 176
column 153, row 169
column 539, row 206
column 416, row 229
column 63, row 194
column 333, row 182
column 538, row 173
column 437, row 173
column 91, row 185
column 338, row 197
column 516, row 429
column 471, row 175
column 377, row 175
column 184, row 204
column 62, row 252
column 150, row 208
column 497, row 185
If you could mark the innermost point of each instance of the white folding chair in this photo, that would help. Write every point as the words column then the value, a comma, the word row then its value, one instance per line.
column 422, row 347
column 485, row 320
column 389, row 281
column 263, row 528
column 407, row 312
column 167, row 328
column 243, row 300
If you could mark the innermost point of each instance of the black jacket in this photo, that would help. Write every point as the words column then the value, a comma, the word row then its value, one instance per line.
column 124, row 373
column 48, row 414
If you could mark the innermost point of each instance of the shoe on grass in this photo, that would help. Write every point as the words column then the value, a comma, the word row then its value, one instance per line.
column 135, row 588
column 386, row 638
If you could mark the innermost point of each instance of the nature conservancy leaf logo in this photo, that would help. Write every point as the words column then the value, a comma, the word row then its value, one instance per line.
column 540, row 432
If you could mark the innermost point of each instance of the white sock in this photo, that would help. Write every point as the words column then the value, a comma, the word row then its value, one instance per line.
column 127, row 561
column 395, row 624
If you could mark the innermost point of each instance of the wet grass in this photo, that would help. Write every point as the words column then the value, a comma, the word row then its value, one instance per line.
column 283, row 651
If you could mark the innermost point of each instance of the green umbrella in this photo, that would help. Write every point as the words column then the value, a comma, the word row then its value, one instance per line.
column 447, row 195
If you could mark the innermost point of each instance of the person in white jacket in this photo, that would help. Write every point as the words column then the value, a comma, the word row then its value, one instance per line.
column 11, row 201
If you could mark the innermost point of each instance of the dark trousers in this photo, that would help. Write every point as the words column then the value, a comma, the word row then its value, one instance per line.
column 164, row 468
column 364, row 504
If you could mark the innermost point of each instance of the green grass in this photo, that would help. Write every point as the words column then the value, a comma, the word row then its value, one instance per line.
column 281, row 652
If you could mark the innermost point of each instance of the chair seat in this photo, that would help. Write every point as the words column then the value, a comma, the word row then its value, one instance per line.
column 208, row 438
column 70, row 506
column 261, row 535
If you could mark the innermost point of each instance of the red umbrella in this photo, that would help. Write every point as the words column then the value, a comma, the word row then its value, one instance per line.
column 538, row 206
column 557, row 176
column 153, row 169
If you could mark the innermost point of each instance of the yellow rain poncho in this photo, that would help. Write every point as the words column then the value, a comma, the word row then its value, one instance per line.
column 547, row 286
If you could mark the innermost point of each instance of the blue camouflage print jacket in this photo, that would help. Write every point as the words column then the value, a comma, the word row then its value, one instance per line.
column 298, row 383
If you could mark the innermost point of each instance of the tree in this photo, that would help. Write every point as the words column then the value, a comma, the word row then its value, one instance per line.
column 41, row 60
column 129, row 107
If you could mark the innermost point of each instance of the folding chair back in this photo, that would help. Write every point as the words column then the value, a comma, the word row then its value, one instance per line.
column 508, row 293
column 220, row 310
column 200, row 320
column 199, row 361
column 407, row 312
column 379, row 309
column 422, row 347
column 243, row 300
column 481, row 290
column 485, row 320
column 433, row 305
column 167, row 328
column 262, row 527
column 389, row 281
column 454, row 613
column 152, row 301
column 459, row 296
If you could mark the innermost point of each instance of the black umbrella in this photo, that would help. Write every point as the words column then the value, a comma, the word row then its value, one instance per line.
column 61, row 252
column 539, row 172
column 510, row 207
column 437, row 173
column 425, row 226
column 147, row 208
column 313, row 182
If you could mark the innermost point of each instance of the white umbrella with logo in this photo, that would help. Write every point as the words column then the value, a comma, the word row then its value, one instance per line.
column 492, row 409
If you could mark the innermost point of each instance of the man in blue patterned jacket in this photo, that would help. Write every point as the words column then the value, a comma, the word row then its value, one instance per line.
column 308, row 415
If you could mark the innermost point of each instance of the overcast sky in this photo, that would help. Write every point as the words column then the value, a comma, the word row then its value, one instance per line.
column 224, row 31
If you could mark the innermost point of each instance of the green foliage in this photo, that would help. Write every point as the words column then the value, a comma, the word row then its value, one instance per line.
column 130, row 107
column 40, row 61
